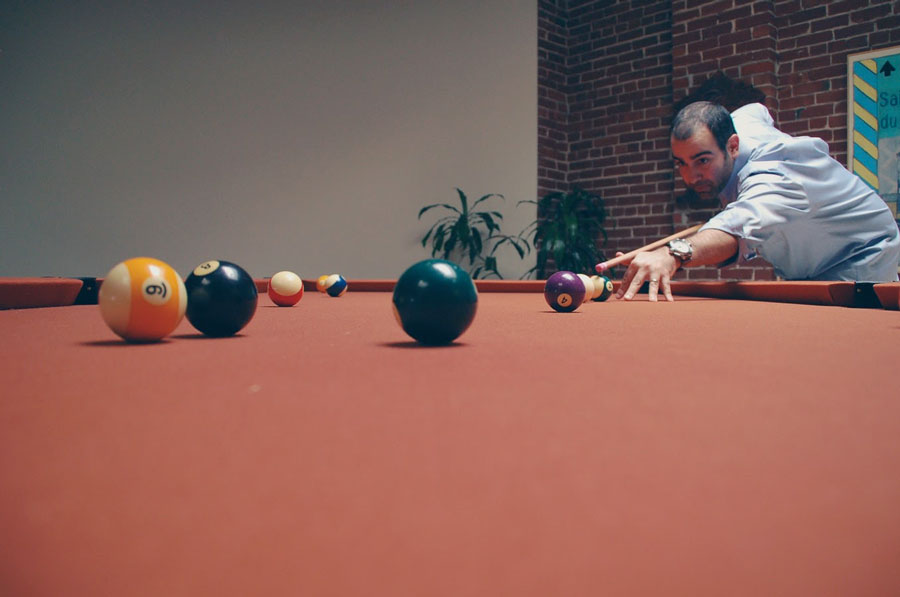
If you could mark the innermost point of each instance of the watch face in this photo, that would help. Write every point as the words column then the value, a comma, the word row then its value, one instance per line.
column 681, row 248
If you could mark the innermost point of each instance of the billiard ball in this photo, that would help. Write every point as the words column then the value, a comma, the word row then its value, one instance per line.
column 222, row 298
column 335, row 285
column 142, row 299
column 320, row 283
column 564, row 291
column 605, row 287
column 285, row 289
column 435, row 301
column 588, row 287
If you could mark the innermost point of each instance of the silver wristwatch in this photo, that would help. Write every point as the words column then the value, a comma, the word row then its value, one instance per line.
column 682, row 249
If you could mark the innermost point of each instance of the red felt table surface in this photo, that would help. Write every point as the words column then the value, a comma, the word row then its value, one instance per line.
column 707, row 446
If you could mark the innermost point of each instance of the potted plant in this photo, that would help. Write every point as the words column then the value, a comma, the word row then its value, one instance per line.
column 468, row 233
column 566, row 232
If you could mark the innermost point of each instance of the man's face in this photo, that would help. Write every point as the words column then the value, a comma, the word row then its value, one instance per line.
column 704, row 167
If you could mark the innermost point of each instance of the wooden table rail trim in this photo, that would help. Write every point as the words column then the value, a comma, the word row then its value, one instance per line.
column 22, row 293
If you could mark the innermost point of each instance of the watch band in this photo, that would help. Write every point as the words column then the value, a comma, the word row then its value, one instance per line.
column 682, row 249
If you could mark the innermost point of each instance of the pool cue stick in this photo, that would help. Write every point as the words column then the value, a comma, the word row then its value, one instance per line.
column 602, row 267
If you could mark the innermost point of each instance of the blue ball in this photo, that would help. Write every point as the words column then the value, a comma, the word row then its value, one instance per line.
column 335, row 285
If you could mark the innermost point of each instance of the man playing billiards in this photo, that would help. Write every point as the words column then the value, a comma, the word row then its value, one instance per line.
column 785, row 200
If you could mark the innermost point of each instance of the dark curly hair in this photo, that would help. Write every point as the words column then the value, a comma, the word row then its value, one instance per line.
column 713, row 116
column 725, row 91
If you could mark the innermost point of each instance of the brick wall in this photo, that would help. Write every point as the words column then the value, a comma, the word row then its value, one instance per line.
column 553, row 111
column 610, row 72
column 814, row 40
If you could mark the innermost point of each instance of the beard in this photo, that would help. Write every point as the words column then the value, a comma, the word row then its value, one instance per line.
column 690, row 200
column 708, row 190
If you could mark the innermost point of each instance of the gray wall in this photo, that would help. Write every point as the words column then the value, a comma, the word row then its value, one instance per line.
column 280, row 135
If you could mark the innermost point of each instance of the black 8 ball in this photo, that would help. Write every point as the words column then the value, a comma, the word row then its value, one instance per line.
column 222, row 298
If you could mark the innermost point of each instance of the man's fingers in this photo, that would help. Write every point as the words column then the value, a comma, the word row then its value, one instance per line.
column 667, row 288
column 635, row 285
column 632, row 282
column 653, row 290
column 626, row 281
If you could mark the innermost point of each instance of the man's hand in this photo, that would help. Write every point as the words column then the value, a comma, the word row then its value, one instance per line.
column 656, row 266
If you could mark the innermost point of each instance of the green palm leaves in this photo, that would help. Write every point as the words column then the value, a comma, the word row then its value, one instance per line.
column 565, row 234
column 567, row 231
column 471, row 233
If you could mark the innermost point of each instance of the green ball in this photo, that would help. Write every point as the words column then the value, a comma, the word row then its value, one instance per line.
column 606, row 288
column 435, row 301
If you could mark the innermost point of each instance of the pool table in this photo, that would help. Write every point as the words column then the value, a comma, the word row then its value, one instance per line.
column 742, row 440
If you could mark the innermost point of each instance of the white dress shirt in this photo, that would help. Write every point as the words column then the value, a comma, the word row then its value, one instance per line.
column 789, row 202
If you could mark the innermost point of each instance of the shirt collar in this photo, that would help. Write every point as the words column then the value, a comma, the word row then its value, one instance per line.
column 729, row 193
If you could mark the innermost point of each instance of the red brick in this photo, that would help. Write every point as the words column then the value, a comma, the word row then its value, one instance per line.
column 830, row 72
column 840, row 48
column 821, row 37
column 642, row 189
column 806, row 16
column 831, row 97
column 716, row 8
column 664, row 220
column 871, row 14
column 854, row 30
column 788, row 32
column 756, row 45
column 830, row 23
column 759, row 67
column 892, row 22
column 839, row 121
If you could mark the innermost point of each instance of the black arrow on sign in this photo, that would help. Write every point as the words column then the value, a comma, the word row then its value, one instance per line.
column 887, row 69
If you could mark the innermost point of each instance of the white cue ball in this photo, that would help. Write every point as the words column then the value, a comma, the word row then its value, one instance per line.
column 588, row 287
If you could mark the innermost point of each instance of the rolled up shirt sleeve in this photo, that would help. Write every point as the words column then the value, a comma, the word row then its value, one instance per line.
column 771, row 210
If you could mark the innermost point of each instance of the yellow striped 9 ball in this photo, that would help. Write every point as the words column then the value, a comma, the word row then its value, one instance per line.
column 142, row 299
